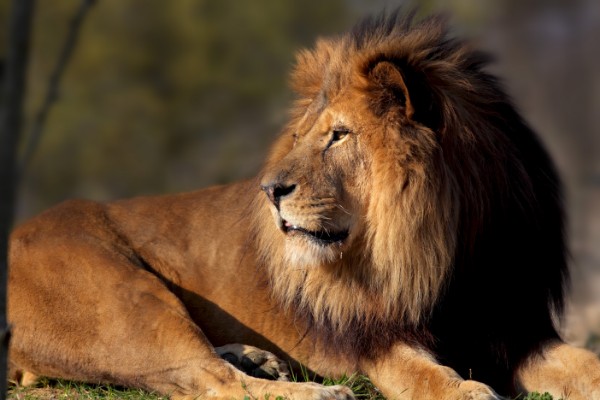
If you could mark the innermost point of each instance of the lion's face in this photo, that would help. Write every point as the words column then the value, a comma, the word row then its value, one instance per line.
column 319, row 189
column 358, row 191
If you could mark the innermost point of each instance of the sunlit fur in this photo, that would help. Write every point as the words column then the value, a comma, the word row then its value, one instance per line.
column 435, row 181
column 406, row 225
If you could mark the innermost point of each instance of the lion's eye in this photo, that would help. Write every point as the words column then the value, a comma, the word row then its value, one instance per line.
column 337, row 135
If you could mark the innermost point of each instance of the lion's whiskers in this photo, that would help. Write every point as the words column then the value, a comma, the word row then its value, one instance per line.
column 337, row 205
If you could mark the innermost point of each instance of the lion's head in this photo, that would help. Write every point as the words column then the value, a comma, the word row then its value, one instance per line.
column 397, row 159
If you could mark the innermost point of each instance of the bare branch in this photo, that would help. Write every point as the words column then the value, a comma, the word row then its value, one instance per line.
column 53, row 85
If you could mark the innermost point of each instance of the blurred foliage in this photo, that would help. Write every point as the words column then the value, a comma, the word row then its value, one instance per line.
column 164, row 96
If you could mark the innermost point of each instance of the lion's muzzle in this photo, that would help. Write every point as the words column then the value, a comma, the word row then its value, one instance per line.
column 276, row 191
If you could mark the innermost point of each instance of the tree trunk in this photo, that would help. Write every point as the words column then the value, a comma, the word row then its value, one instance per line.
column 11, row 116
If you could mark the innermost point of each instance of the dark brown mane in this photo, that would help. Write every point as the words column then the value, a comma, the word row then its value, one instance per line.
column 507, row 258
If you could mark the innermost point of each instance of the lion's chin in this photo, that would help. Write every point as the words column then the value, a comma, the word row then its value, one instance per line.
column 305, row 248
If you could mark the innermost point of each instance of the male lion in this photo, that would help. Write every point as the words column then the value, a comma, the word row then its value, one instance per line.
column 407, row 225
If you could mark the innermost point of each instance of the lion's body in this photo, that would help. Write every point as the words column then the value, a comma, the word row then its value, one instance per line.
column 411, row 223
column 170, row 241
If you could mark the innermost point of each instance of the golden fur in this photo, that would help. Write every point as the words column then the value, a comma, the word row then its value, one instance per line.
column 406, row 225
column 406, row 234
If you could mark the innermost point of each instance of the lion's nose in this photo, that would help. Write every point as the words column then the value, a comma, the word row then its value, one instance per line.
column 276, row 191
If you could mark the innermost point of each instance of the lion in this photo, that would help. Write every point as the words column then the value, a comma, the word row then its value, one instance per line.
column 406, row 225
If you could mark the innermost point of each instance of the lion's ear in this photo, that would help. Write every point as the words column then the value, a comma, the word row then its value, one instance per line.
column 387, row 84
column 400, row 89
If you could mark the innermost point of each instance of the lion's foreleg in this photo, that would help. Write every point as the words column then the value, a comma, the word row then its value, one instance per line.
column 412, row 373
column 562, row 370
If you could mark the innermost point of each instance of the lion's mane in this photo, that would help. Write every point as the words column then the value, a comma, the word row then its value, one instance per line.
column 465, row 254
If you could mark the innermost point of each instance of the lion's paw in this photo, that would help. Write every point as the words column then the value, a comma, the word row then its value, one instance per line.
column 473, row 390
column 337, row 392
column 254, row 361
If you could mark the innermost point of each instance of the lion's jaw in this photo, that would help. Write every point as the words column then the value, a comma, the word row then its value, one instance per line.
column 316, row 232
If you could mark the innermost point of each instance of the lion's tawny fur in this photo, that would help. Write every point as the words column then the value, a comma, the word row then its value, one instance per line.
column 437, row 179
column 407, row 224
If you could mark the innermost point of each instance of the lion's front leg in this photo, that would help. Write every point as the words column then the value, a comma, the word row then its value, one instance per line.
column 562, row 370
column 410, row 373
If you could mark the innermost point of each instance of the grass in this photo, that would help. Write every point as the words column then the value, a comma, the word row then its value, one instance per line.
column 48, row 389
column 537, row 396
column 361, row 386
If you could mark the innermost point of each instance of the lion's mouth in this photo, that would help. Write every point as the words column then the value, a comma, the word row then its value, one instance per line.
column 322, row 237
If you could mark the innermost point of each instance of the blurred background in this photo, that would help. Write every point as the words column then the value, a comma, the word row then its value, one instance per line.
column 168, row 96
